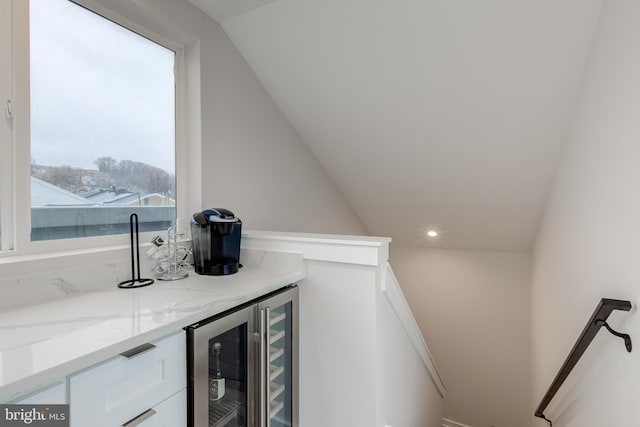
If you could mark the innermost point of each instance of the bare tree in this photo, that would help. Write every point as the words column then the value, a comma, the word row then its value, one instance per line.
column 63, row 176
column 138, row 176
column 105, row 164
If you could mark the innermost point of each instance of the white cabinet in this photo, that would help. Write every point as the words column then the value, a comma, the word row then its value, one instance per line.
column 52, row 395
column 125, row 388
column 171, row 412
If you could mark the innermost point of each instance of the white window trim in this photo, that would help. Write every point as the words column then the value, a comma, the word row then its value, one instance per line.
column 16, row 179
column 6, row 133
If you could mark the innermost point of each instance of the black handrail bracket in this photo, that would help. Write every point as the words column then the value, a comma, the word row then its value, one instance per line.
column 597, row 321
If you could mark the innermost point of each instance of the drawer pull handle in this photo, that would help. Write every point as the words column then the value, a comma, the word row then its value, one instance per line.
column 140, row 418
column 137, row 351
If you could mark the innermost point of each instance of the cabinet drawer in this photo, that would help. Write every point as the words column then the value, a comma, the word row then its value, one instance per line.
column 114, row 392
column 172, row 412
column 53, row 395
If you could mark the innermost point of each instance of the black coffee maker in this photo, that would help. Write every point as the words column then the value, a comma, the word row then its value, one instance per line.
column 216, row 241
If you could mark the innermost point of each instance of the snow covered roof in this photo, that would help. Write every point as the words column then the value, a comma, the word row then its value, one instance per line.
column 45, row 194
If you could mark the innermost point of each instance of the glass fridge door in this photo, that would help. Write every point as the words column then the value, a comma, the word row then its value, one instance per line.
column 228, row 378
column 221, row 372
column 280, row 364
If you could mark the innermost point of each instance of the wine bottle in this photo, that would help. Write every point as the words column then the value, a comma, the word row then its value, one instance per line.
column 216, row 381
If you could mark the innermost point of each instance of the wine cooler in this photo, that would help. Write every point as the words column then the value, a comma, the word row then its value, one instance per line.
column 243, row 365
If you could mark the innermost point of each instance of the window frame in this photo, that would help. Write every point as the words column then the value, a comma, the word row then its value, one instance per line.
column 15, row 183
column 6, row 132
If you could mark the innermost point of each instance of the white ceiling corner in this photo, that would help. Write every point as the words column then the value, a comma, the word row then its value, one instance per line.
column 221, row 10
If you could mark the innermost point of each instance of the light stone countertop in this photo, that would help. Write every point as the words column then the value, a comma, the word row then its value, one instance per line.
column 44, row 342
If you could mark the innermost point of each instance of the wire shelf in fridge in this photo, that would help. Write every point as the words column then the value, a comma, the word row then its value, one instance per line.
column 277, row 319
column 276, row 371
column 275, row 336
column 275, row 354
column 276, row 407
column 226, row 409
column 276, row 390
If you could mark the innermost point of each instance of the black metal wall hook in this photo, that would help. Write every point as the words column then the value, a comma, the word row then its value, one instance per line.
column 547, row 420
column 625, row 337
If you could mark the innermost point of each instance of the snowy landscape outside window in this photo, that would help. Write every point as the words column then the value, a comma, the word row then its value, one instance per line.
column 103, row 125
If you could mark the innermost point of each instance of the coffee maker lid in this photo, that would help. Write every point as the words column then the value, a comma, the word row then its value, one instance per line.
column 214, row 215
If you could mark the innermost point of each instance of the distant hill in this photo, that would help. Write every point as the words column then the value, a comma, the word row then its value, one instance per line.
column 125, row 175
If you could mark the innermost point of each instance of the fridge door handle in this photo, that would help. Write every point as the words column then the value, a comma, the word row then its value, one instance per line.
column 263, row 362
column 267, row 362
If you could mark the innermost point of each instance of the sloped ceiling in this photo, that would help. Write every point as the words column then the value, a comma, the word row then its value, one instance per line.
column 445, row 114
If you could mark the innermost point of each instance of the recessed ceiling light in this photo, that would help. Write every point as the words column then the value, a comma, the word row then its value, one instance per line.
column 432, row 233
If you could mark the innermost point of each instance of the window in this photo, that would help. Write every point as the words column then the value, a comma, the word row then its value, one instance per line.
column 102, row 125
column 93, row 137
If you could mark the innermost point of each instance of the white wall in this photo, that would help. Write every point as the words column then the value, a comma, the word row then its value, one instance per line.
column 588, row 245
column 252, row 160
column 473, row 309
column 338, row 345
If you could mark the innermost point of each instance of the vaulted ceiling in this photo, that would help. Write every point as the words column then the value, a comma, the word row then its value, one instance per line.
column 444, row 114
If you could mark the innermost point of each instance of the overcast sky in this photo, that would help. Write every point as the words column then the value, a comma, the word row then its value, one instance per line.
column 97, row 90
